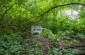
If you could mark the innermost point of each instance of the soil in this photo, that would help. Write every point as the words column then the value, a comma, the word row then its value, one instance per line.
column 46, row 42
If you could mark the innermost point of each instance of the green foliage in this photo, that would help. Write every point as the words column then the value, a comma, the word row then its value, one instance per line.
column 24, row 13
column 46, row 33
column 71, row 52
column 35, row 51
column 17, row 16
column 39, row 45
column 10, row 44
column 54, row 51
column 55, row 37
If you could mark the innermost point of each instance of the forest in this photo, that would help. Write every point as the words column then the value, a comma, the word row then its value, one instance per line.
column 62, row 22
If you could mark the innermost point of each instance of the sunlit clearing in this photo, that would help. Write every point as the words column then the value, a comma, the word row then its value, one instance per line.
column 73, row 14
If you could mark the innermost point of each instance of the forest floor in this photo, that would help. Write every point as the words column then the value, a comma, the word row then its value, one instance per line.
column 45, row 44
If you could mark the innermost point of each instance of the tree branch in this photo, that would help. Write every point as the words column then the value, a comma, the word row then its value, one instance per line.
column 60, row 6
column 6, row 12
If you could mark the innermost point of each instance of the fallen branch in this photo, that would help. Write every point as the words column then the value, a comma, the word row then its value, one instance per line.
column 75, row 46
column 81, row 53
column 77, row 38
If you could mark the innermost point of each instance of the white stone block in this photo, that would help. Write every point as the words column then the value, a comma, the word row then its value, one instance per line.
column 36, row 29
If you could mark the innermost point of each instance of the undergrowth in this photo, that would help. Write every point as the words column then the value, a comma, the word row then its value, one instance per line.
column 13, row 44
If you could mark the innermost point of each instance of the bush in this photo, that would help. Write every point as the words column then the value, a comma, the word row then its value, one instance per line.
column 10, row 44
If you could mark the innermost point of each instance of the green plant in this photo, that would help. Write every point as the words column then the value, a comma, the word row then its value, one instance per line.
column 11, row 44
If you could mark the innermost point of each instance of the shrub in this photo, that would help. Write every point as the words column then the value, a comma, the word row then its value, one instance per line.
column 10, row 44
